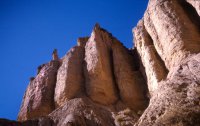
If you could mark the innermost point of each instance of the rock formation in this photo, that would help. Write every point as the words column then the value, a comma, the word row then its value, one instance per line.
column 100, row 82
column 38, row 98
column 70, row 78
column 155, row 69
column 55, row 55
column 168, row 39
column 94, row 80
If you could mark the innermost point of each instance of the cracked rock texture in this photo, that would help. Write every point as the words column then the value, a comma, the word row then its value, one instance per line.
column 94, row 80
column 38, row 98
column 100, row 82
column 70, row 78
column 167, row 40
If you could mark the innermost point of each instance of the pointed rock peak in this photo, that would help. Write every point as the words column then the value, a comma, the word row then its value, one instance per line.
column 97, row 26
column 103, row 35
column 55, row 55
column 39, row 68
column 55, row 51
column 81, row 41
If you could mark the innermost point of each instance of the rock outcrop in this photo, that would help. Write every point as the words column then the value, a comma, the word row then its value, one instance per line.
column 100, row 82
column 174, row 34
column 168, row 39
column 70, row 78
column 128, row 78
column 82, row 112
column 177, row 99
column 155, row 69
column 38, row 98
column 94, row 79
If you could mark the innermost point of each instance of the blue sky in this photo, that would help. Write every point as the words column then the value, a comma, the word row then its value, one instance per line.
column 31, row 29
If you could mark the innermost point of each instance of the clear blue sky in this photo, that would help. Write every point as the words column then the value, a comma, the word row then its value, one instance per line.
column 31, row 29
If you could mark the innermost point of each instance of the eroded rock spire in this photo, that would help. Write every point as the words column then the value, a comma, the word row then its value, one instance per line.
column 55, row 55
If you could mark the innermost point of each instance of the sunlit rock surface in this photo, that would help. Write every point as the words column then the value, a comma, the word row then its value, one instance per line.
column 100, row 82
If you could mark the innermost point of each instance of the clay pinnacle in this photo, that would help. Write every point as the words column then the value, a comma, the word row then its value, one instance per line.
column 55, row 55
column 97, row 26
column 82, row 41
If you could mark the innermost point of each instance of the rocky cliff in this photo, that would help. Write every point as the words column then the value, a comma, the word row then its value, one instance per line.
column 99, row 82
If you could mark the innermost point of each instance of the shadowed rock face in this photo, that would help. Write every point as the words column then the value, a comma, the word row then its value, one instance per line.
column 100, row 82
column 42, row 121
column 195, row 4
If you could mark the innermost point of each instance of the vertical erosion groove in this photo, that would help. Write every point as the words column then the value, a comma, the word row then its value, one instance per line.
column 113, row 73
column 162, row 63
column 154, row 67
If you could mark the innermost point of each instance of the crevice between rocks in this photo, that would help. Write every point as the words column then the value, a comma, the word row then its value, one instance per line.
column 191, row 13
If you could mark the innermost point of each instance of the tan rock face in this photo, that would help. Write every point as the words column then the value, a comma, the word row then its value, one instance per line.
column 174, row 34
column 177, row 99
column 129, row 80
column 155, row 69
column 70, row 78
column 38, row 99
column 171, row 30
column 82, row 112
column 100, row 85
